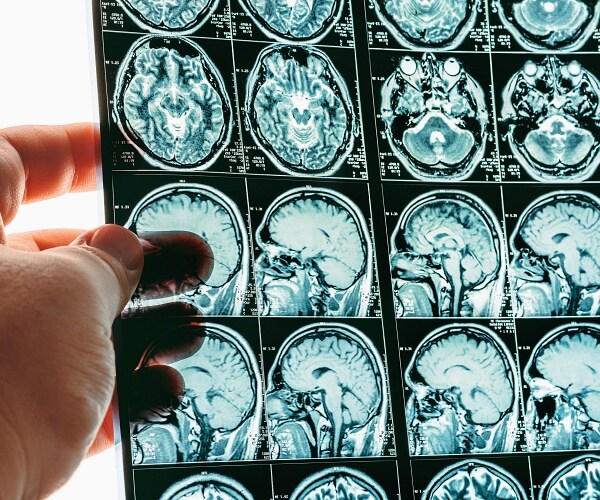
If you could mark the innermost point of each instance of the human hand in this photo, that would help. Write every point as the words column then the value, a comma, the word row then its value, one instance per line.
column 59, row 294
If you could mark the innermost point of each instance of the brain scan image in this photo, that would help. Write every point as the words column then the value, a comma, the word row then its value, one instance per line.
column 207, row 487
column 169, row 16
column 170, row 102
column 423, row 24
column 464, row 393
column 316, row 256
column 436, row 119
column 196, row 397
column 576, row 479
column 298, row 110
column 326, row 395
column 447, row 258
column 551, row 111
column 297, row 21
column 474, row 480
column 555, row 25
column 176, row 223
column 555, row 270
column 338, row 483
column 563, row 375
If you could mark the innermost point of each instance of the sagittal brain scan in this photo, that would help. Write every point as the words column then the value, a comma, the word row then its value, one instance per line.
column 464, row 393
column 326, row 395
column 556, row 265
column 207, row 487
column 298, row 109
column 563, row 375
column 177, row 223
column 196, row 397
column 423, row 24
column 338, row 483
column 435, row 116
column 551, row 111
column 447, row 258
column 576, row 479
column 474, row 480
column 175, row 16
column 295, row 20
column 549, row 24
column 316, row 256
column 170, row 102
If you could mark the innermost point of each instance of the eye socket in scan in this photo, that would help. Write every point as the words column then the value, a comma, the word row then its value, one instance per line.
column 338, row 482
column 474, row 480
column 299, row 111
column 551, row 112
column 205, row 486
column 555, row 270
column 436, row 119
column 299, row 21
column 170, row 102
column 447, row 257
column 316, row 256
column 577, row 478
column 196, row 397
column 329, row 373
column 174, row 16
column 563, row 408
column 422, row 24
column 554, row 25
column 196, row 250
column 464, row 393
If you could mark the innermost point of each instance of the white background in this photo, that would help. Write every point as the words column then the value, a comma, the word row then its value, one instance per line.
column 45, row 78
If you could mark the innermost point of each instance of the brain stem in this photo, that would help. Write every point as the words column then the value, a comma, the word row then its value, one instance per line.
column 328, row 382
column 451, row 265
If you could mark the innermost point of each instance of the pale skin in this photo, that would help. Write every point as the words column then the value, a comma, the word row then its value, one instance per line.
column 59, row 294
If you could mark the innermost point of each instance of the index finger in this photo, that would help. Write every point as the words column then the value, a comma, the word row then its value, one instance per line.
column 40, row 162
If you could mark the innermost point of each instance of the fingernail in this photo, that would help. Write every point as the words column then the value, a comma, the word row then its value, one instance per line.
column 119, row 242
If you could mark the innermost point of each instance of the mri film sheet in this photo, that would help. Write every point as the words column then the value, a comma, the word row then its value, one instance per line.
column 326, row 389
column 172, row 104
column 195, row 391
column 300, row 110
column 548, row 107
column 314, row 255
column 418, row 25
column 554, row 263
column 462, row 387
column 447, row 251
column 198, row 257
column 434, row 116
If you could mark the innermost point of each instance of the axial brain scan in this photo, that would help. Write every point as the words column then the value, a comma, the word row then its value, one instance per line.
column 474, row 480
column 294, row 20
column 176, row 223
column 316, row 256
column 464, row 394
column 338, row 482
column 551, row 111
column 447, row 258
column 563, row 375
column 435, row 116
column 177, row 16
column 326, row 395
column 216, row 417
column 549, row 24
column 207, row 487
column 555, row 270
column 170, row 102
column 576, row 479
column 298, row 110
column 423, row 24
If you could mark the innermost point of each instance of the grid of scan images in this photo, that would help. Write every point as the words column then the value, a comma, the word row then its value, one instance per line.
column 371, row 232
